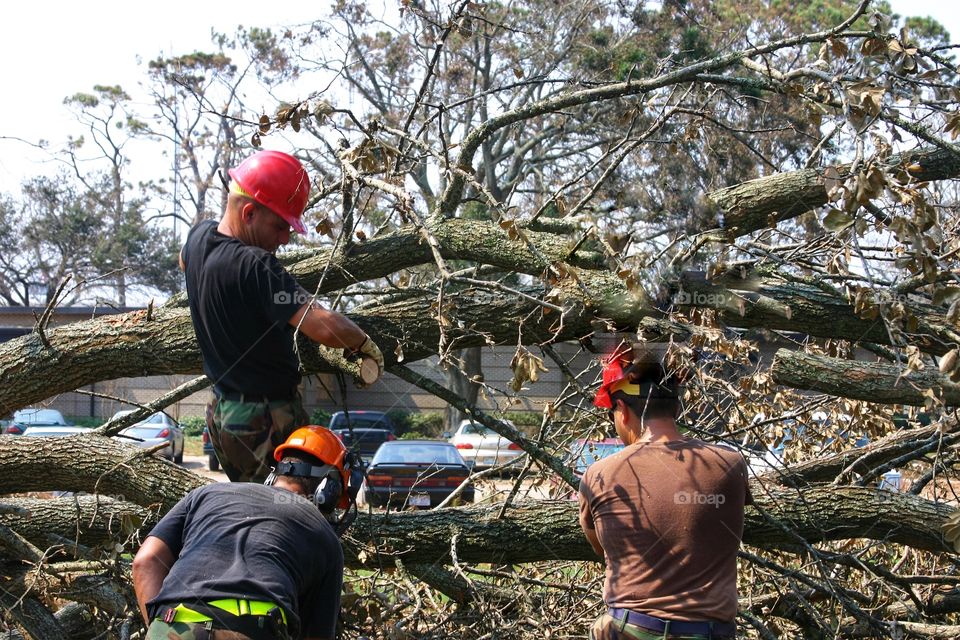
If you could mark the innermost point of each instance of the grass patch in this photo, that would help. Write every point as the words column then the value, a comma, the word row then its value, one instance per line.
column 193, row 445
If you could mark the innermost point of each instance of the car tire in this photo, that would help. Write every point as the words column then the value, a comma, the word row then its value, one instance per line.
column 179, row 457
column 213, row 462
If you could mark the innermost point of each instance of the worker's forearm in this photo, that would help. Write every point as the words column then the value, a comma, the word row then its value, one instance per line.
column 147, row 579
column 328, row 328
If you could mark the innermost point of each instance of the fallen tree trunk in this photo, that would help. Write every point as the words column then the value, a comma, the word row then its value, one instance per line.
column 766, row 299
column 87, row 520
column 92, row 464
column 35, row 367
column 537, row 530
column 874, row 382
column 897, row 446
column 761, row 203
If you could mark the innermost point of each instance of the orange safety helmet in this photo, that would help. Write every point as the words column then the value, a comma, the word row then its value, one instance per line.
column 322, row 444
column 276, row 180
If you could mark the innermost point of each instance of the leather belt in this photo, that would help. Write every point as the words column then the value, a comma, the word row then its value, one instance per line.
column 679, row 627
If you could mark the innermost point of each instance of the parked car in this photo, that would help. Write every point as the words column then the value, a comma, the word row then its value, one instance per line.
column 363, row 431
column 581, row 454
column 35, row 418
column 59, row 431
column 483, row 446
column 213, row 462
column 154, row 430
column 416, row 473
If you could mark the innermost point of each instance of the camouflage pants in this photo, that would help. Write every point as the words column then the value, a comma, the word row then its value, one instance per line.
column 607, row 627
column 160, row 630
column 244, row 434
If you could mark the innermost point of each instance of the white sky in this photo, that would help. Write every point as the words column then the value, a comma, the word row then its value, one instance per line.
column 51, row 50
column 55, row 49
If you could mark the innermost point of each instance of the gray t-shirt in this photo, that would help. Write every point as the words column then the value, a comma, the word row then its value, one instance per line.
column 253, row 542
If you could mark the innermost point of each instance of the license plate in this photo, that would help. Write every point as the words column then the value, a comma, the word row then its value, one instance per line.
column 419, row 500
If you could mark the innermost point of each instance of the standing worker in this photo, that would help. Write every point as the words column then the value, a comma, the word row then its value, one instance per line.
column 253, row 562
column 245, row 309
column 666, row 513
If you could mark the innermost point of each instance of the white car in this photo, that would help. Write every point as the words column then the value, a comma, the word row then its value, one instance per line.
column 483, row 447
column 154, row 430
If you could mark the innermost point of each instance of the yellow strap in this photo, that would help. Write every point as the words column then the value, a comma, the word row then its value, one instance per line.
column 189, row 615
column 627, row 387
column 237, row 189
column 235, row 606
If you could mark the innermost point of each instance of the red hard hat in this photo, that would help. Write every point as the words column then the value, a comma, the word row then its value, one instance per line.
column 322, row 444
column 613, row 372
column 276, row 180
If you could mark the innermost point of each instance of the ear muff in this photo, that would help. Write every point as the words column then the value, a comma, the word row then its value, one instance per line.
column 354, row 465
column 328, row 491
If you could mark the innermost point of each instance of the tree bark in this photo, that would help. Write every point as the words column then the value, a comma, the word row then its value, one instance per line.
column 92, row 464
column 763, row 202
column 874, row 382
column 83, row 519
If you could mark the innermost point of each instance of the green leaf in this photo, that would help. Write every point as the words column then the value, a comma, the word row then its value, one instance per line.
column 836, row 220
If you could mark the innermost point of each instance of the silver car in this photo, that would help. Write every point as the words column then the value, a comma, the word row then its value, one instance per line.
column 484, row 447
column 153, row 431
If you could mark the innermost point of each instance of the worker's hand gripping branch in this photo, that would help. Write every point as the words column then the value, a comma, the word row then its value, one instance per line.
column 371, row 355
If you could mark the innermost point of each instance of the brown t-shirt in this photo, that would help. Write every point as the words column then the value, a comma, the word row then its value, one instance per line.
column 669, row 517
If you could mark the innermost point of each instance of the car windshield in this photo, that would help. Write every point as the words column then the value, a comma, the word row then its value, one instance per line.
column 39, row 417
column 421, row 453
column 359, row 422
column 476, row 429
column 142, row 432
column 363, row 423
column 154, row 418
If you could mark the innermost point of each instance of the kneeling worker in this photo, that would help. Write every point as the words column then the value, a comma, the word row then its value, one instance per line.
column 244, row 561
column 666, row 513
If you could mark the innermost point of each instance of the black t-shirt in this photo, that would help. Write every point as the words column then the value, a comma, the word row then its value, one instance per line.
column 253, row 542
column 241, row 301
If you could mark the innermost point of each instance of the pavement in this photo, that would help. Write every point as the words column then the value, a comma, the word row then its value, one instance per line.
column 198, row 464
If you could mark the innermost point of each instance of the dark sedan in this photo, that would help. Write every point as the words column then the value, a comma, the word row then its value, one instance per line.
column 416, row 473
column 362, row 431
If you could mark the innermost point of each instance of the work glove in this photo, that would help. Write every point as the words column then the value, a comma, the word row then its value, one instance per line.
column 370, row 351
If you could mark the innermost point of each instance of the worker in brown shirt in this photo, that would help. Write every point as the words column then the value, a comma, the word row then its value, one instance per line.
column 666, row 513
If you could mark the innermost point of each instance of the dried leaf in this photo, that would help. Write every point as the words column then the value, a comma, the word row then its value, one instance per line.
column 264, row 124
column 949, row 361
column 325, row 228
column 361, row 236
